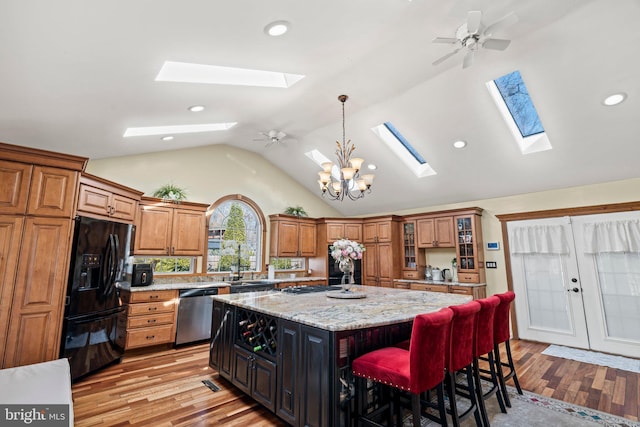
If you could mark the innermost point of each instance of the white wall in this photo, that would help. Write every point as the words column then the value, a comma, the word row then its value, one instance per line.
column 211, row 172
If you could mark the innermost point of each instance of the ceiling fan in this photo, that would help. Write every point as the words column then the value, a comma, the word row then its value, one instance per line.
column 473, row 34
column 272, row 137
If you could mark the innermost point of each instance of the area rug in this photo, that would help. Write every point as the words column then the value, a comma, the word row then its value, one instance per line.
column 595, row 358
column 533, row 410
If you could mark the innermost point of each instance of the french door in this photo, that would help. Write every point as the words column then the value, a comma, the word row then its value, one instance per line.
column 578, row 281
column 549, row 304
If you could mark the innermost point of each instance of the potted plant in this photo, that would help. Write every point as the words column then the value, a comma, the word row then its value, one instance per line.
column 170, row 193
column 295, row 210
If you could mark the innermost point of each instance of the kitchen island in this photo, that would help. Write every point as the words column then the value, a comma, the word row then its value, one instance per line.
column 292, row 352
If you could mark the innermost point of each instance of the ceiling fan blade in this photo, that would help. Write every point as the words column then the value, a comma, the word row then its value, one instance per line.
column 448, row 55
column 496, row 44
column 449, row 40
column 468, row 58
column 474, row 19
column 506, row 21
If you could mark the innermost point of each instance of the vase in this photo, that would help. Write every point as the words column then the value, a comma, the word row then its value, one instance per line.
column 347, row 267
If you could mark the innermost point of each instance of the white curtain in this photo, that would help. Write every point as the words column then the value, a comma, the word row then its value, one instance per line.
column 539, row 239
column 612, row 237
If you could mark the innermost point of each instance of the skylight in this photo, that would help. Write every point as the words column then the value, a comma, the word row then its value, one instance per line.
column 319, row 158
column 213, row 74
column 163, row 130
column 512, row 98
column 403, row 149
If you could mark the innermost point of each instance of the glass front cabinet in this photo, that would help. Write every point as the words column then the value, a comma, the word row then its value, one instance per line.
column 413, row 264
column 469, row 250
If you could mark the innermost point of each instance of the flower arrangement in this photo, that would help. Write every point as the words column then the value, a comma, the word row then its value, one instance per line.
column 344, row 251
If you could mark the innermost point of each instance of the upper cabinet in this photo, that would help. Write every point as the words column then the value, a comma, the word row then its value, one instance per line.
column 105, row 199
column 435, row 232
column 292, row 236
column 413, row 260
column 331, row 229
column 377, row 230
column 170, row 229
column 14, row 187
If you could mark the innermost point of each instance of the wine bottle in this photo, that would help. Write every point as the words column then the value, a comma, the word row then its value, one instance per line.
column 243, row 322
column 257, row 348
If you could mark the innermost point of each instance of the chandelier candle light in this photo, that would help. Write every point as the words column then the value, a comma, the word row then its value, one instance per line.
column 351, row 183
column 344, row 252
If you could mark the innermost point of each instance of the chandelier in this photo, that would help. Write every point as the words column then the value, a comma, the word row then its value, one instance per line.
column 350, row 183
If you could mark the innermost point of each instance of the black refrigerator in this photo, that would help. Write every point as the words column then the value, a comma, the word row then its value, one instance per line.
column 95, row 318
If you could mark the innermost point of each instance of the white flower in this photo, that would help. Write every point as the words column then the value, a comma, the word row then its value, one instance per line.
column 343, row 250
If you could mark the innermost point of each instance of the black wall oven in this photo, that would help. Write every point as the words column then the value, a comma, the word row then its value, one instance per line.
column 335, row 275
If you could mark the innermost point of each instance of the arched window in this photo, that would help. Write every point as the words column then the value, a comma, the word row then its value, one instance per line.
column 236, row 235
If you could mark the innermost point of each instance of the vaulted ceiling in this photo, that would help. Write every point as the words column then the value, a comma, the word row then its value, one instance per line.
column 74, row 74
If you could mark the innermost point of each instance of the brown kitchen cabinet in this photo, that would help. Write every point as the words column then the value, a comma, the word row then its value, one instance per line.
column 105, row 199
column 413, row 260
column 38, row 194
column 381, row 261
column 331, row 229
column 151, row 318
column 170, row 229
column 40, row 286
column 469, row 250
column 292, row 236
column 436, row 232
column 376, row 230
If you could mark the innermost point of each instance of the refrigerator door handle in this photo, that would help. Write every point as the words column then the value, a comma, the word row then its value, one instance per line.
column 110, row 263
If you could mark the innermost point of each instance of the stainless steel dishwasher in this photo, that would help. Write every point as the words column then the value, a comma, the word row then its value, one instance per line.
column 195, row 308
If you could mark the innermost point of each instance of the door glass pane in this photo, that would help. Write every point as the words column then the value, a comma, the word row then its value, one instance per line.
column 546, row 292
column 619, row 283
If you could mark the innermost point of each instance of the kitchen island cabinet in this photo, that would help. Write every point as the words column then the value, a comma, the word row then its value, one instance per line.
column 310, row 341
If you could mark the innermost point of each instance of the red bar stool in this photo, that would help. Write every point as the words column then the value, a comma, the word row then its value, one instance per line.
column 483, row 350
column 417, row 370
column 502, row 334
column 459, row 359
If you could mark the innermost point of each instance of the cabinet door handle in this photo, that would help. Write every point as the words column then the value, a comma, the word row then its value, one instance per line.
column 151, row 337
column 151, row 321
column 153, row 308
column 154, row 296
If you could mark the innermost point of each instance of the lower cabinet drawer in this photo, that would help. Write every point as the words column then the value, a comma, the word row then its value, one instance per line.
column 468, row 277
column 151, row 308
column 464, row 290
column 410, row 274
column 430, row 288
column 152, row 320
column 150, row 336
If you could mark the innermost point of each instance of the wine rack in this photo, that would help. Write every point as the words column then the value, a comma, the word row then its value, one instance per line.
column 257, row 332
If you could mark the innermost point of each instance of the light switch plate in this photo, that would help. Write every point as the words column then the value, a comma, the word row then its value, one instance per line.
column 491, row 264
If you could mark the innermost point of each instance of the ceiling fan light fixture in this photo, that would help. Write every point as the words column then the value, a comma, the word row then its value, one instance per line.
column 276, row 28
column 614, row 99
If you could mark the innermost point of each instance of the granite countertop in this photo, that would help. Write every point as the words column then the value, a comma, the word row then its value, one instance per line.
column 434, row 282
column 212, row 284
column 381, row 306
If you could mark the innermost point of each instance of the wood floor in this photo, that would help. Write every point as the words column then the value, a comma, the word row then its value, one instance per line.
column 165, row 389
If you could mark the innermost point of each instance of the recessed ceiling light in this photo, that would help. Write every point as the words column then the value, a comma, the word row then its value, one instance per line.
column 167, row 138
column 460, row 144
column 372, row 166
column 164, row 130
column 276, row 28
column 184, row 72
column 196, row 108
column 614, row 99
